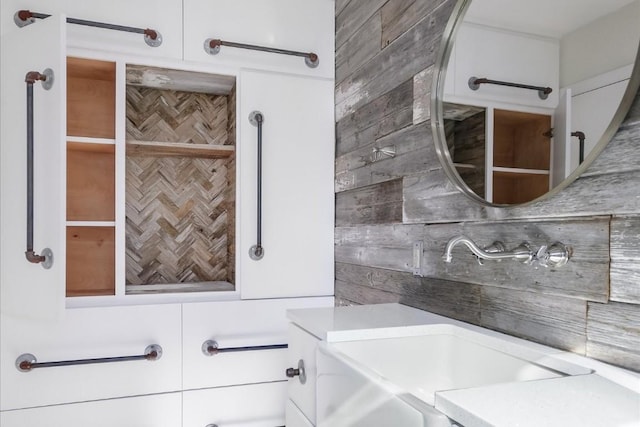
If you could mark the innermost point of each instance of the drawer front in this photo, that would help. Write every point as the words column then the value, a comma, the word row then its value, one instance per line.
column 295, row 417
column 164, row 410
column 237, row 324
column 303, row 347
column 87, row 334
column 254, row 405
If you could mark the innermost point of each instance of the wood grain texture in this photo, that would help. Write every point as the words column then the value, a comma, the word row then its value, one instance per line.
column 382, row 116
column 613, row 334
column 230, row 194
column 91, row 106
column 359, row 49
column 90, row 263
column 551, row 320
column 177, row 208
column 352, row 16
column 398, row 16
column 410, row 53
column 453, row 299
column 91, row 182
column 186, row 81
column 625, row 259
column 584, row 277
column 422, row 95
column 355, row 169
column 171, row 116
column 376, row 204
column 178, row 149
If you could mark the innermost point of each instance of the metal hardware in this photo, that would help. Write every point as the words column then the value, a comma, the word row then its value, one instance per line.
column 152, row 38
column 27, row 362
column 581, row 137
column 380, row 153
column 495, row 247
column 556, row 255
column 553, row 256
column 211, row 348
column 299, row 372
column 212, row 47
column 47, row 79
column 256, row 252
column 418, row 249
column 475, row 82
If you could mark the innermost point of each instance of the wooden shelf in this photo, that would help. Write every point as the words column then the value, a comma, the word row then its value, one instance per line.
column 177, row 149
column 90, row 182
column 521, row 170
column 91, row 223
column 90, row 261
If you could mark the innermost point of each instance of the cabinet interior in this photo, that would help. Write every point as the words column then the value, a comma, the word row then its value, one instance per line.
column 174, row 172
column 180, row 181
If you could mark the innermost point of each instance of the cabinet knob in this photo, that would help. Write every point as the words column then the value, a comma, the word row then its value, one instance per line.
column 299, row 372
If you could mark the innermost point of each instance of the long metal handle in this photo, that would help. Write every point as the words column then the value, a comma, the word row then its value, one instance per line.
column 27, row 362
column 581, row 137
column 211, row 348
column 475, row 82
column 46, row 77
column 212, row 47
column 256, row 252
column 151, row 37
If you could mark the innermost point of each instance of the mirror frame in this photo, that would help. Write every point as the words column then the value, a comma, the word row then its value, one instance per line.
column 437, row 111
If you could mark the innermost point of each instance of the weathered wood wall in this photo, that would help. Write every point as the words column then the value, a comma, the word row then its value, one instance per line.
column 386, row 50
column 178, row 208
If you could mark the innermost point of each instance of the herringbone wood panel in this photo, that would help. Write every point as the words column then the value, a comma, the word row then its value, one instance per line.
column 177, row 208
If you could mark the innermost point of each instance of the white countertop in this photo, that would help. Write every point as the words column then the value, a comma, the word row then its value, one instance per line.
column 609, row 397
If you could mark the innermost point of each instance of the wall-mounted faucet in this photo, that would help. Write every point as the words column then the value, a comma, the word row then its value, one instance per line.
column 555, row 255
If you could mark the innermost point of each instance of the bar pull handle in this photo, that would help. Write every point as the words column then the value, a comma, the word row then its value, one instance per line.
column 212, row 47
column 47, row 79
column 256, row 252
column 152, row 38
column 475, row 82
column 211, row 348
column 27, row 362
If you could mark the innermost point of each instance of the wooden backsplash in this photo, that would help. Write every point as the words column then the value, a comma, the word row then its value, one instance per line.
column 386, row 50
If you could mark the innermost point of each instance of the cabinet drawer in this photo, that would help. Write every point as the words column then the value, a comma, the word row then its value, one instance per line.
column 86, row 334
column 295, row 417
column 237, row 324
column 302, row 347
column 255, row 405
column 162, row 410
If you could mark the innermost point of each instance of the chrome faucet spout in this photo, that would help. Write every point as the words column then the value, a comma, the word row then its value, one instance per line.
column 496, row 252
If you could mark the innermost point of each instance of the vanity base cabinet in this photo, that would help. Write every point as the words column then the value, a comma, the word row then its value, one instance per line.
column 161, row 410
column 295, row 417
column 302, row 355
column 251, row 405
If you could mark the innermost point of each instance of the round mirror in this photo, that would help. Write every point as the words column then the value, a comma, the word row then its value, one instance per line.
column 527, row 93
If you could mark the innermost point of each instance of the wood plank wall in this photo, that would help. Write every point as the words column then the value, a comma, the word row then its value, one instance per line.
column 385, row 54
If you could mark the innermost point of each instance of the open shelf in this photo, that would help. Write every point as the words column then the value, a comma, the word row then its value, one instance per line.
column 90, row 182
column 91, row 98
column 519, row 140
column 510, row 188
column 177, row 149
column 90, row 261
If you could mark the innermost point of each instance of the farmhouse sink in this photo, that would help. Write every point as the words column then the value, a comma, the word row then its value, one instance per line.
column 400, row 376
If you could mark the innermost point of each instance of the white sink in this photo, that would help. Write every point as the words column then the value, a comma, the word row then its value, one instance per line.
column 362, row 377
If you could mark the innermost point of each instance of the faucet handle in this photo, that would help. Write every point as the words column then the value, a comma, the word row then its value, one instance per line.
column 552, row 256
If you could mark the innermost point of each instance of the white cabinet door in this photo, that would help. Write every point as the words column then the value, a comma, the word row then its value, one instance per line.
column 255, row 405
column 238, row 324
column 164, row 16
column 302, row 390
column 297, row 184
column 29, row 290
column 163, row 410
column 89, row 333
column 561, row 160
column 295, row 417
column 285, row 24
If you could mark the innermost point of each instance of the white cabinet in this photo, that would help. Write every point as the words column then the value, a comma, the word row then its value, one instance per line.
column 235, row 324
column 297, row 184
column 86, row 334
column 162, row 410
column 28, row 290
column 284, row 24
column 302, row 355
column 164, row 16
column 255, row 405
column 295, row 417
